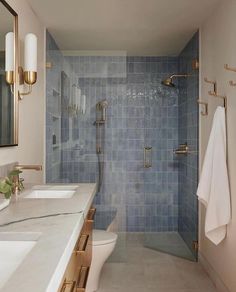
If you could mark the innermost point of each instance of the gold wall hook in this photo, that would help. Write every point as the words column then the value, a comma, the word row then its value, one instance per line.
column 232, row 83
column 48, row 65
column 219, row 96
column 227, row 67
column 214, row 83
column 205, row 104
column 195, row 64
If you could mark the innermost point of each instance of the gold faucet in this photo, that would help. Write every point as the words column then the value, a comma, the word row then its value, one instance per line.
column 17, row 182
column 28, row 167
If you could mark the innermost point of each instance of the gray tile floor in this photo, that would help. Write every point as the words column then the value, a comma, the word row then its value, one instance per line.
column 147, row 270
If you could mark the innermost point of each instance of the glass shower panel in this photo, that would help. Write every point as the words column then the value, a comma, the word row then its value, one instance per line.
column 161, row 179
column 170, row 183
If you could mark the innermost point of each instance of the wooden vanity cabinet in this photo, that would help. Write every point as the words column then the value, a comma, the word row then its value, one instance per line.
column 77, row 271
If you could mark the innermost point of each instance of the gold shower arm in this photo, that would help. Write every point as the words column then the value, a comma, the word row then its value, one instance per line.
column 180, row 75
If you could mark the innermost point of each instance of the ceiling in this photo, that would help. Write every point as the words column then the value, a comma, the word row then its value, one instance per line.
column 140, row 27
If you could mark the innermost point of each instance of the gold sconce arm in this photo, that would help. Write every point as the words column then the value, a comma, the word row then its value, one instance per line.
column 22, row 94
column 28, row 77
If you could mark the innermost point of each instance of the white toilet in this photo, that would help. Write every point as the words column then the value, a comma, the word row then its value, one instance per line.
column 103, row 244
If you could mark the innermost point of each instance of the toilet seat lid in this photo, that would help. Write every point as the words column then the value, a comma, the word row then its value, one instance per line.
column 101, row 237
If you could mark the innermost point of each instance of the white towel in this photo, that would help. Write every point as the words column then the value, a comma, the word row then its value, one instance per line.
column 213, row 189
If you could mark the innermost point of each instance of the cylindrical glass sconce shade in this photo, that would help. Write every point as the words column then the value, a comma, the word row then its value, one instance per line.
column 9, row 52
column 30, row 55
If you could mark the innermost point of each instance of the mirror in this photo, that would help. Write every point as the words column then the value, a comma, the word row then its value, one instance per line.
column 8, row 93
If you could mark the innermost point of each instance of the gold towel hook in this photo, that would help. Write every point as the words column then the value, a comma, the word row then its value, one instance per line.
column 232, row 83
column 214, row 83
column 205, row 104
column 227, row 67
column 219, row 96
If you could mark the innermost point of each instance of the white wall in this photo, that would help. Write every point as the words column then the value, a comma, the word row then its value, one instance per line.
column 218, row 46
column 32, row 108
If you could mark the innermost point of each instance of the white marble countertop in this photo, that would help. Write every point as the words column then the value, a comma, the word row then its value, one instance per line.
column 55, row 235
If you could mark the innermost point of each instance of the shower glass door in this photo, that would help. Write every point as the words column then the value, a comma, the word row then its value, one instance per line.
column 170, row 180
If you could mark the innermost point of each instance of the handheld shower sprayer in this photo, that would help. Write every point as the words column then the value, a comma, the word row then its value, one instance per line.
column 102, row 107
column 101, row 116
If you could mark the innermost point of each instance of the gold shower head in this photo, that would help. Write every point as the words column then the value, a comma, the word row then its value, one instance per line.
column 169, row 81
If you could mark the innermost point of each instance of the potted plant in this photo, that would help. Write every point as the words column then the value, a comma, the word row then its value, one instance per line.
column 6, row 187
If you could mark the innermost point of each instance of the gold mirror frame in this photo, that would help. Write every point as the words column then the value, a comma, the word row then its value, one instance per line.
column 16, row 76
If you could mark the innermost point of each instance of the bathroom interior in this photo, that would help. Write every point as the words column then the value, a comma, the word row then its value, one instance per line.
column 117, row 146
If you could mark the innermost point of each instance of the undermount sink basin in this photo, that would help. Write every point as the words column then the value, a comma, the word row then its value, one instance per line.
column 50, row 194
column 12, row 254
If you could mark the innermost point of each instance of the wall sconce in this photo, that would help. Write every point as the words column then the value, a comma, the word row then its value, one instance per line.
column 28, row 75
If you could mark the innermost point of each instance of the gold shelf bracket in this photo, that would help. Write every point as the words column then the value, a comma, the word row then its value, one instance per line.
column 205, row 104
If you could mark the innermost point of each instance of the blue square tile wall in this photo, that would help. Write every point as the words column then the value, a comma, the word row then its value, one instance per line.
column 141, row 113
column 188, row 132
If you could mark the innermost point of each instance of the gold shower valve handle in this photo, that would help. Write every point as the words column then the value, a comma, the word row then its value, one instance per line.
column 182, row 150
column 147, row 157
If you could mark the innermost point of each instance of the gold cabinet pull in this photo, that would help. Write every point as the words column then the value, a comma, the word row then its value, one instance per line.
column 147, row 157
column 66, row 283
column 83, row 242
column 91, row 214
column 82, row 279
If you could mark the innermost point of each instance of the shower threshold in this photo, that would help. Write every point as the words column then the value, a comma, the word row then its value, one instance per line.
column 166, row 242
